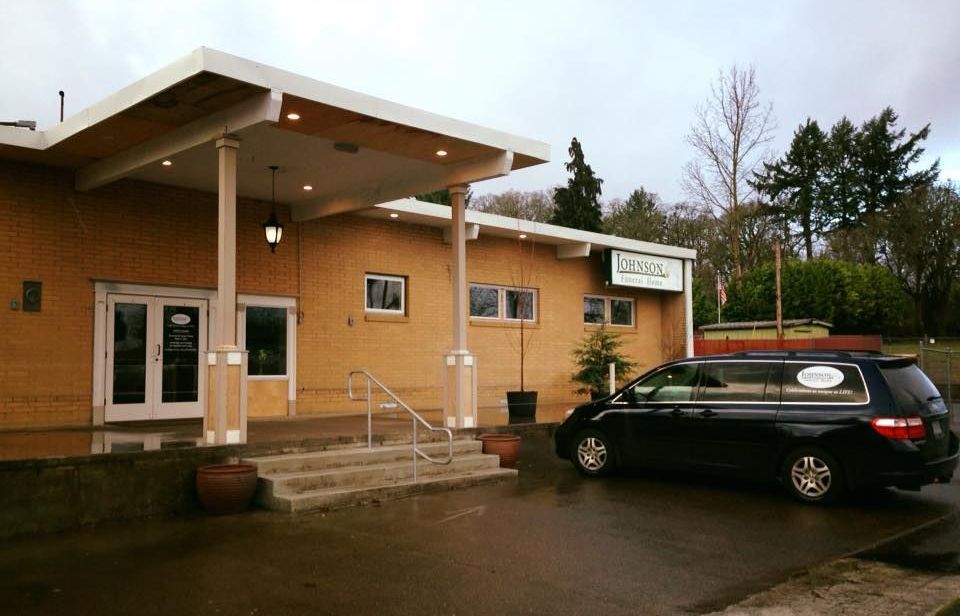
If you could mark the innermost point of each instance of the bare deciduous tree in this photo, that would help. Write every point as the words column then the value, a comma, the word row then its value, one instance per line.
column 534, row 205
column 728, row 135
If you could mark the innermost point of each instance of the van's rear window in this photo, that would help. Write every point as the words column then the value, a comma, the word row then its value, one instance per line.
column 910, row 386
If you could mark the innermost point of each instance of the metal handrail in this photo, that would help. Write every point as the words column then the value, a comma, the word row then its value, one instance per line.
column 417, row 419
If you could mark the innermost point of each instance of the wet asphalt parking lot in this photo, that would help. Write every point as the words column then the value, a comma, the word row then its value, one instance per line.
column 551, row 543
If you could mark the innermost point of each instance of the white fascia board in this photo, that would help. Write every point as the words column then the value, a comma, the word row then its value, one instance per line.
column 22, row 138
column 268, row 77
column 551, row 234
column 213, row 61
column 123, row 99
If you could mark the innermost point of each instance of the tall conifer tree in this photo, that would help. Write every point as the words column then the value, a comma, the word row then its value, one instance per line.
column 578, row 203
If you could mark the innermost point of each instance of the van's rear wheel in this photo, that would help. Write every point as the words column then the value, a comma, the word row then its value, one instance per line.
column 812, row 475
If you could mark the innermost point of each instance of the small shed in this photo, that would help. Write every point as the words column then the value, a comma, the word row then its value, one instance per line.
column 767, row 330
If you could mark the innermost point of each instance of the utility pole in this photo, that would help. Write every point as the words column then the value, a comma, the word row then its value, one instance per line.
column 779, row 295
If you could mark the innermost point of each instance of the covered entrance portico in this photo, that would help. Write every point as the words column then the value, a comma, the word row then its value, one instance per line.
column 217, row 123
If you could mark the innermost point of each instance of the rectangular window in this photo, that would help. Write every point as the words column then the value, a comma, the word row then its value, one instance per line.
column 612, row 310
column 823, row 383
column 385, row 294
column 594, row 310
column 736, row 381
column 503, row 303
column 519, row 303
column 266, row 341
column 484, row 302
column 621, row 312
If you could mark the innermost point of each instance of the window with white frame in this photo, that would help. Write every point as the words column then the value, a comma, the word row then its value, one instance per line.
column 598, row 309
column 502, row 303
column 266, row 340
column 385, row 294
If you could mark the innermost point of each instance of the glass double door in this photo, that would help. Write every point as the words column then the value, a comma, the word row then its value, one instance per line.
column 154, row 350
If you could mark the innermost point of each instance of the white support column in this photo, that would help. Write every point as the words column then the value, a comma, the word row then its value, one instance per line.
column 227, row 149
column 460, row 400
column 225, row 418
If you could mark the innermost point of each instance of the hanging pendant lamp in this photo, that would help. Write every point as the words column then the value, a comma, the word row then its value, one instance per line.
column 272, row 227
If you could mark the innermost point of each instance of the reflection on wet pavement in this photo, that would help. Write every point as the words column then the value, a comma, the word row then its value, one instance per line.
column 150, row 436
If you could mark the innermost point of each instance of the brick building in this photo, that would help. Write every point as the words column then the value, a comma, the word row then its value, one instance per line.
column 118, row 267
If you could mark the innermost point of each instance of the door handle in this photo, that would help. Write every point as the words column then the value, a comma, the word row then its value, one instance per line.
column 707, row 413
column 678, row 412
column 157, row 354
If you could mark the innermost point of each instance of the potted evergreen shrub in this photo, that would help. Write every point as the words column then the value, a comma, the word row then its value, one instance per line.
column 592, row 356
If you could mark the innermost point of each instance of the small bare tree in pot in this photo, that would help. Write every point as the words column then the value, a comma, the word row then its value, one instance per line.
column 592, row 356
column 522, row 404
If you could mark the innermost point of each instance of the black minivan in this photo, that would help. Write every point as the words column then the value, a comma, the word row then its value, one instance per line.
column 821, row 422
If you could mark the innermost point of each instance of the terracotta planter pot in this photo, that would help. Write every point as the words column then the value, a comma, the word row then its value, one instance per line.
column 226, row 488
column 507, row 446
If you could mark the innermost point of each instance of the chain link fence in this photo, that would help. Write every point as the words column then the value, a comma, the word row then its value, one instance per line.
column 942, row 365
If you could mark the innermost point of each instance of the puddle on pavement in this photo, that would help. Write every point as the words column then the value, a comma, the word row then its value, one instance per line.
column 35, row 445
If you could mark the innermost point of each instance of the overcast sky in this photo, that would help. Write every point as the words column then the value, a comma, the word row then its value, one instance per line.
column 623, row 76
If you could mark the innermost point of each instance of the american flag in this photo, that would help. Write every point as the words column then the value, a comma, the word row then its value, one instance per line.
column 721, row 291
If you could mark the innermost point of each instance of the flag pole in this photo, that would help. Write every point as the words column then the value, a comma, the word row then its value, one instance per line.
column 718, row 297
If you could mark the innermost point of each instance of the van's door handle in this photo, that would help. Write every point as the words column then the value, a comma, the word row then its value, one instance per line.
column 707, row 413
column 678, row 412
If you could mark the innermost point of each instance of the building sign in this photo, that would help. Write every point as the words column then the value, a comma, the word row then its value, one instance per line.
column 632, row 269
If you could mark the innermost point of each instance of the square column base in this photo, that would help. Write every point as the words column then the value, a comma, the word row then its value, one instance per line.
column 459, row 390
column 225, row 416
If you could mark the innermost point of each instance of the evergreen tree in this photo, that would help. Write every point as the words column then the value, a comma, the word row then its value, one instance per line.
column 841, row 172
column 793, row 183
column 640, row 217
column 885, row 159
column 578, row 203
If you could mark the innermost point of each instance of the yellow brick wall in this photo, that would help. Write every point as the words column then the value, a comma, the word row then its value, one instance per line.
column 128, row 232
column 142, row 233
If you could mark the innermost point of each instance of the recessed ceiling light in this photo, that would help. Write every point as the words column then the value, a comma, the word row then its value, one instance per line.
column 394, row 215
column 523, row 236
column 441, row 153
column 307, row 187
column 167, row 163
column 293, row 115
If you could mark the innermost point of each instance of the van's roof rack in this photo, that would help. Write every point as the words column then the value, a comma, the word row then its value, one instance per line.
column 794, row 353
column 808, row 353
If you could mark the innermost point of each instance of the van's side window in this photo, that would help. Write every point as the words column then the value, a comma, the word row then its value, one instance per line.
column 672, row 384
column 823, row 383
column 735, row 381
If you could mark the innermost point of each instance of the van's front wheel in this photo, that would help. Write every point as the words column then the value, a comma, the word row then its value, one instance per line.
column 812, row 475
column 592, row 453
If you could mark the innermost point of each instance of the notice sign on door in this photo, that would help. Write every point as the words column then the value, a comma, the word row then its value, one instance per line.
column 181, row 329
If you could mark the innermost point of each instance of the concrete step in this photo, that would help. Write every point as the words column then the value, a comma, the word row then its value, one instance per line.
column 334, row 498
column 366, row 475
column 341, row 457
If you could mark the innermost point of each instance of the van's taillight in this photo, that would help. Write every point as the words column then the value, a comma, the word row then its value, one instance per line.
column 900, row 428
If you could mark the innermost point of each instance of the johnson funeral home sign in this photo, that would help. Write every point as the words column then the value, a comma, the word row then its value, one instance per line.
column 632, row 269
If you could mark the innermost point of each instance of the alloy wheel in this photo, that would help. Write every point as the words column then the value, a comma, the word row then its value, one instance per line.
column 592, row 454
column 811, row 477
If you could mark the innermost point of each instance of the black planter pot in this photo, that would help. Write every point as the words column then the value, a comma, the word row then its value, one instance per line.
column 522, row 403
